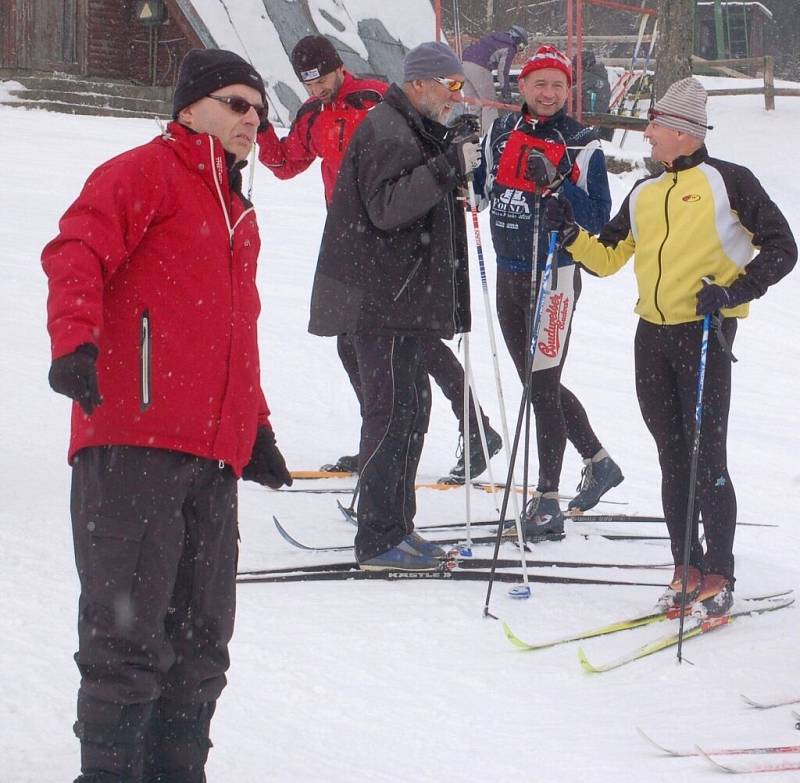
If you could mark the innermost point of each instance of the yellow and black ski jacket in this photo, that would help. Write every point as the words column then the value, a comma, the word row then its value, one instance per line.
column 702, row 217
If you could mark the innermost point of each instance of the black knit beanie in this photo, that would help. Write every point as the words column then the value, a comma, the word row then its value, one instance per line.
column 204, row 70
column 314, row 56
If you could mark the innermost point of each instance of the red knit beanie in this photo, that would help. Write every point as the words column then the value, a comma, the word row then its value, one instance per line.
column 547, row 56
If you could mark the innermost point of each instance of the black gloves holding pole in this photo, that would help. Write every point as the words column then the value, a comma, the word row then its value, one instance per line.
column 712, row 297
column 75, row 376
column 267, row 465
column 558, row 216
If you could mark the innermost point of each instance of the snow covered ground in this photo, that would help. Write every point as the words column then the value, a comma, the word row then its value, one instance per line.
column 407, row 682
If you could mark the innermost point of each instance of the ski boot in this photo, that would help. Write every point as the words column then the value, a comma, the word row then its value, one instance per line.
column 597, row 478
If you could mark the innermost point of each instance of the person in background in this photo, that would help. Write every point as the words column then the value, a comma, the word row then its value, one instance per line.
column 595, row 90
column 539, row 151
column 707, row 239
column 338, row 102
column 495, row 51
column 152, row 312
column 392, row 274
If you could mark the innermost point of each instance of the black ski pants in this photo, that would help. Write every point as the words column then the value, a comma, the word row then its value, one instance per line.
column 558, row 413
column 667, row 359
column 156, row 547
column 440, row 363
column 396, row 394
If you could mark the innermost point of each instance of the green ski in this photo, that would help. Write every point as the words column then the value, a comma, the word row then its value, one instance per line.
column 698, row 627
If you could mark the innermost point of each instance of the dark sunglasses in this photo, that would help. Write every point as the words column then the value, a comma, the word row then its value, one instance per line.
column 454, row 85
column 240, row 105
column 653, row 114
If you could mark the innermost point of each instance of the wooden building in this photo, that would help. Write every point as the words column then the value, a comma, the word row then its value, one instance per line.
column 731, row 29
column 133, row 40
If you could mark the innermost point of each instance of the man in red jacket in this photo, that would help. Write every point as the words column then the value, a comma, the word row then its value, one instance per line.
column 337, row 104
column 152, row 313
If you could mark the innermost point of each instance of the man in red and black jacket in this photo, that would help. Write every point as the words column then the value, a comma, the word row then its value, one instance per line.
column 152, row 312
column 338, row 102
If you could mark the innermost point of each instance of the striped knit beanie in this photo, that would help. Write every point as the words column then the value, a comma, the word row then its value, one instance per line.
column 683, row 108
column 547, row 56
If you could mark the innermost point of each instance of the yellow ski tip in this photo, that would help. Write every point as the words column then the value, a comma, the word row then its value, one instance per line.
column 514, row 639
column 585, row 664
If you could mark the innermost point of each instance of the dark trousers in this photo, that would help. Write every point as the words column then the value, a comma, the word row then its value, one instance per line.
column 440, row 363
column 558, row 412
column 396, row 393
column 667, row 359
column 156, row 546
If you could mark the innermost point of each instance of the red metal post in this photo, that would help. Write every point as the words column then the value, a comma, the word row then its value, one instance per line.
column 437, row 12
column 570, row 33
column 579, row 61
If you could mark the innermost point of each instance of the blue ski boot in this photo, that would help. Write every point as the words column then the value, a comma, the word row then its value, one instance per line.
column 542, row 519
column 597, row 478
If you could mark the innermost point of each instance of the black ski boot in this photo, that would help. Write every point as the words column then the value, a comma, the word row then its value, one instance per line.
column 112, row 740
column 342, row 465
column 178, row 742
column 477, row 461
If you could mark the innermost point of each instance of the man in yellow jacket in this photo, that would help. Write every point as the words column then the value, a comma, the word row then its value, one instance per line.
column 701, row 220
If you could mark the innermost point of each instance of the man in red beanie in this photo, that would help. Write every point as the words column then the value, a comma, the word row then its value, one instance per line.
column 337, row 104
column 152, row 313
column 527, row 155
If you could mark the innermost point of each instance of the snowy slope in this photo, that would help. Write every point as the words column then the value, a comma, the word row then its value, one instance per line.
column 407, row 682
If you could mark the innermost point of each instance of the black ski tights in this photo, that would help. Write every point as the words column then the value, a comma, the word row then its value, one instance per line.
column 559, row 413
column 667, row 359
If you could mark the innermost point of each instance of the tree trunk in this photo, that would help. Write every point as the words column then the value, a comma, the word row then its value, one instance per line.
column 675, row 42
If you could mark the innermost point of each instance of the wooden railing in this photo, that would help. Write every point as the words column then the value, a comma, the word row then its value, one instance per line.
column 769, row 90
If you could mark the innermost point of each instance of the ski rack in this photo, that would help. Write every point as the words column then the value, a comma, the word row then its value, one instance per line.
column 575, row 43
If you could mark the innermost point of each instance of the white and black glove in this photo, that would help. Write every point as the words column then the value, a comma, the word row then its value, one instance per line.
column 464, row 152
column 469, row 157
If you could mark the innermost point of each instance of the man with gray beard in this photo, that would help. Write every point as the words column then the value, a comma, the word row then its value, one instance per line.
column 392, row 275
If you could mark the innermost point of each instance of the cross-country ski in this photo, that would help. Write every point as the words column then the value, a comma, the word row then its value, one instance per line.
column 767, row 705
column 627, row 623
column 747, row 767
column 692, row 629
column 771, row 749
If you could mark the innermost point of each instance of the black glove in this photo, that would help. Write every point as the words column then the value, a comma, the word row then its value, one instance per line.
column 558, row 216
column 75, row 376
column 540, row 169
column 712, row 298
column 267, row 465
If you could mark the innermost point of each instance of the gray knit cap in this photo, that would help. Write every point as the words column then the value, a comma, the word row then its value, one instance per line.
column 683, row 108
column 431, row 59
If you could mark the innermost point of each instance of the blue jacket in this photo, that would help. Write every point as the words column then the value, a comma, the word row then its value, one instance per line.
column 512, row 210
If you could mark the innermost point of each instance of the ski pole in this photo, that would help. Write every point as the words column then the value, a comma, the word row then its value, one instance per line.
column 523, row 402
column 510, row 489
column 698, row 416
column 467, row 455
column 532, row 303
